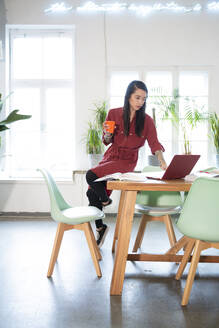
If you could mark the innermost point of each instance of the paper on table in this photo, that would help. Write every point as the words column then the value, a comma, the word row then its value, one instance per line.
column 212, row 172
column 191, row 177
column 130, row 176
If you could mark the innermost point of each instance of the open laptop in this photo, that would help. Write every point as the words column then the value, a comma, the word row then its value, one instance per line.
column 180, row 166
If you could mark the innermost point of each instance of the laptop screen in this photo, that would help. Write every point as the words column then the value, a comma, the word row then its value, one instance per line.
column 180, row 166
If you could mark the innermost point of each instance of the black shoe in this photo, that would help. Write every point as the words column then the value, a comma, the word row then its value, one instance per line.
column 108, row 203
column 101, row 235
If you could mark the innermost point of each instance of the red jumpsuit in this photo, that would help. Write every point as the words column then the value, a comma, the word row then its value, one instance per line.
column 122, row 155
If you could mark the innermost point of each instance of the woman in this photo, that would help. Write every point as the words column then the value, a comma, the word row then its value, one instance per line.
column 132, row 127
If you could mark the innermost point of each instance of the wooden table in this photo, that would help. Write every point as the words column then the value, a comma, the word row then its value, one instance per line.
column 124, row 226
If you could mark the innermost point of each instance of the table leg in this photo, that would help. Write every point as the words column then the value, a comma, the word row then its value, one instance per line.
column 118, row 220
column 124, row 233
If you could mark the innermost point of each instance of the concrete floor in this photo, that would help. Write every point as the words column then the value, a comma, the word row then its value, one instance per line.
column 75, row 297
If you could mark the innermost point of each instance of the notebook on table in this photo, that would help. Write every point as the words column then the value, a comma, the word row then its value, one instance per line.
column 180, row 166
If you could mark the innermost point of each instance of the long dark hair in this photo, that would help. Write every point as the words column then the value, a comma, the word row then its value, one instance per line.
column 140, row 114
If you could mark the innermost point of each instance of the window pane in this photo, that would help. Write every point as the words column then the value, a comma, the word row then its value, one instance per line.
column 42, row 57
column 26, row 152
column 59, row 109
column 159, row 86
column 27, row 100
column 57, row 57
column 27, row 57
column 58, row 154
column 159, row 83
column 116, row 102
column 119, row 82
column 41, row 76
column 25, row 134
column 191, row 104
column 193, row 90
column 193, row 83
column 59, row 118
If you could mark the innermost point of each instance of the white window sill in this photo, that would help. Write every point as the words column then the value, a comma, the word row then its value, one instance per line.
column 6, row 179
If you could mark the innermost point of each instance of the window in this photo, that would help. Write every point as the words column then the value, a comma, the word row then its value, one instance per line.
column 192, row 89
column 119, row 81
column 160, row 85
column 41, row 79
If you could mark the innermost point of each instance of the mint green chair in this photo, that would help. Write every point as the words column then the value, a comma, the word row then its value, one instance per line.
column 68, row 218
column 157, row 206
column 199, row 222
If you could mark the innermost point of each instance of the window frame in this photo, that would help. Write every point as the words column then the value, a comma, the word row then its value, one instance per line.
column 11, row 32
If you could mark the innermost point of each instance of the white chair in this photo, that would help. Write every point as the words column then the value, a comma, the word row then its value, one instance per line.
column 68, row 217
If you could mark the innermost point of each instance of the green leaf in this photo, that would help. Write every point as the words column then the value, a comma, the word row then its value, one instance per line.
column 13, row 116
column 3, row 127
column 93, row 136
column 94, row 143
column 100, row 113
column 214, row 125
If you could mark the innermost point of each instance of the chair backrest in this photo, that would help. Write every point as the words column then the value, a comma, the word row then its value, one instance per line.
column 151, row 168
column 57, row 202
column 158, row 198
column 200, row 214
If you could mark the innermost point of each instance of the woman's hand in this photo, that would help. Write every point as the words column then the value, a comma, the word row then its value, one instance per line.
column 160, row 158
column 163, row 164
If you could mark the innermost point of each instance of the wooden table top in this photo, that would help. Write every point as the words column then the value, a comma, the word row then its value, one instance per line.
column 167, row 185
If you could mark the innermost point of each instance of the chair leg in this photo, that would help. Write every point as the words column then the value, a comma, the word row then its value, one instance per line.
column 140, row 234
column 92, row 247
column 181, row 243
column 97, row 250
column 56, row 247
column 170, row 230
column 188, row 250
column 192, row 271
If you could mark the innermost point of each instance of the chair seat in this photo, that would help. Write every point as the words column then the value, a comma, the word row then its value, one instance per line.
column 81, row 214
column 158, row 211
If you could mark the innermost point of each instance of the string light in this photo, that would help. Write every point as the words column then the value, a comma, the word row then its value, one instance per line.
column 143, row 10
column 213, row 5
column 58, row 7
column 91, row 6
column 197, row 7
column 138, row 9
column 114, row 7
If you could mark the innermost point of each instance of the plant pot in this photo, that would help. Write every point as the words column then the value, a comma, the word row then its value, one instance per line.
column 152, row 160
column 94, row 159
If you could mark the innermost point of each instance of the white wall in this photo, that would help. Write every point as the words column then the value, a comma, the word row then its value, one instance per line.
column 32, row 196
column 157, row 40
column 24, row 196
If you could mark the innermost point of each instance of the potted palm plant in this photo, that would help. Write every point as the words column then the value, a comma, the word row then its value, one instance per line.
column 168, row 108
column 12, row 117
column 214, row 126
column 194, row 115
column 93, row 138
